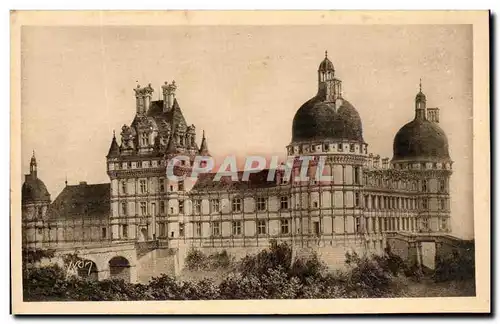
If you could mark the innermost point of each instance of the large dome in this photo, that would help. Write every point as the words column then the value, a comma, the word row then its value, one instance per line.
column 420, row 139
column 34, row 190
column 319, row 120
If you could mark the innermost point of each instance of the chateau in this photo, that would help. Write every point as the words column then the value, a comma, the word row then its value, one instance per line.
column 368, row 197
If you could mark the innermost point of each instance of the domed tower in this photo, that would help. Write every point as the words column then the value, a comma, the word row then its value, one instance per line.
column 421, row 148
column 35, row 200
column 328, row 128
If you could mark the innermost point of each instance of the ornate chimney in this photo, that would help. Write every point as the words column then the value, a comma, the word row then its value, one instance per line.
column 168, row 95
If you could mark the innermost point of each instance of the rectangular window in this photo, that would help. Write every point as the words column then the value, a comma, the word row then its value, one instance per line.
column 442, row 204
column 214, row 205
column 181, row 206
column 425, row 223
column 216, row 228
column 197, row 206
column 181, row 185
column 356, row 198
column 284, row 202
column 144, row 139
column 181, row 229
column 163, row 230
column 236, row 204
column 374, row 224
column 162, row 207
column 357, row 225
column 316, row 228
column 143, row 208
column 366, row 201
column 124, row 231
column 142, row 186
column 124, row 209
column 153, row 209
column 285, row 226
column 162, row 185
column 444, row 223
column 425, row 203
column 339, row 147
column 424, row 185
column 261, row 227
column 103, row 233
column 351, row 147
column 237, row 228
column 442, row 186
column 261, row 203
column 357, row 175
column 124, row 187
column 197, row 226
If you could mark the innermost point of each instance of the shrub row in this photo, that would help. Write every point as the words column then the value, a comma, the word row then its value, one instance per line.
column 271, row 274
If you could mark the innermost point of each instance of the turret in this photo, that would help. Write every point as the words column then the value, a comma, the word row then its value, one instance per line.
column 420, row 104
column 114, row 149
column 329, row 87
column 33, row 168
column 204, row 146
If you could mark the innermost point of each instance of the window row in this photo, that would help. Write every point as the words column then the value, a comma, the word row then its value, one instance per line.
column 422, row 185
column 144, row 187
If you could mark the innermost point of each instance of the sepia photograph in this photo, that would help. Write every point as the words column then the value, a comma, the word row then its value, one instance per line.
column 327, row 157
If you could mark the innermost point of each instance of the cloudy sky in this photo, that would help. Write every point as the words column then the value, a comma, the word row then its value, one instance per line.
column 242, row 85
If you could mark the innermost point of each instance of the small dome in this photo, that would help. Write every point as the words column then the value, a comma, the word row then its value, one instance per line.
column 420, row 139
column 326, row 65
column 420, row 96
column 34, row 190
column 318, row 120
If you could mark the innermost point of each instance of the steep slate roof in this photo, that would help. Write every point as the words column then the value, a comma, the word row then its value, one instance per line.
column 92, row 201
column 204, row 146
column 173, row 116
column 114, row 149
column 258, row 180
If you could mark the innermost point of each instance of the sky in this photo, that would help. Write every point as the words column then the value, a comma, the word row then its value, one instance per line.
column 242, row 85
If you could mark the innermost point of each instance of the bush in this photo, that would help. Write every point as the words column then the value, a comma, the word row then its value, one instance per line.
column 457, row 266
column 367, row 276
column 270, row 274
column 197, row 260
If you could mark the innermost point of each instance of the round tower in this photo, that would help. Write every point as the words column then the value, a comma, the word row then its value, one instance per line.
column 327, row 132
column 421, row 148
column 35, row 201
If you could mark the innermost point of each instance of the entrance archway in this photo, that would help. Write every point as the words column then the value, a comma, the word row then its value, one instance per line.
column 119, row 268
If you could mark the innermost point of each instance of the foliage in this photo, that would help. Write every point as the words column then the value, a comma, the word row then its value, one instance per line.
column 270, row 274
column 457, row 266
column 32, row 256
column 197, row 260
column 279, row 256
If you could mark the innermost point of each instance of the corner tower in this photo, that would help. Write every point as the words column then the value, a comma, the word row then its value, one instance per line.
column 421, row 148
column 35, row 201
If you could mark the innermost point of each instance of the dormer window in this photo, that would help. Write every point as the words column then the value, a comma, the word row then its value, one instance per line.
column 144, row 139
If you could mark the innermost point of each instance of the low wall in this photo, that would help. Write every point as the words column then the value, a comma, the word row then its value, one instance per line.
column 155, row 263
column 331, row 252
